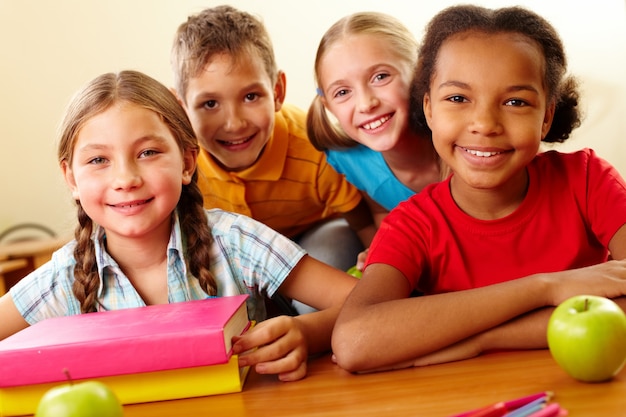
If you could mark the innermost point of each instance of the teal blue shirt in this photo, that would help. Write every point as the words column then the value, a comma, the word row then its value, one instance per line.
column 368, row 171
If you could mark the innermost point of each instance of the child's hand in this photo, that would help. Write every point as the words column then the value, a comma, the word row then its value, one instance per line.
column 607, row 279
column 360, row 261
column 281, row 348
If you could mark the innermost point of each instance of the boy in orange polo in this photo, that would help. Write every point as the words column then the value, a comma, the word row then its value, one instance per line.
column 256, row 158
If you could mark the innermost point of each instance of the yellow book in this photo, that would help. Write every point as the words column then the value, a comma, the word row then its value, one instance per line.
column 140, row 387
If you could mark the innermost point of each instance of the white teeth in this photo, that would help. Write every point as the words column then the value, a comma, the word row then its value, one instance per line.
column 376, row 123
column 481, row 153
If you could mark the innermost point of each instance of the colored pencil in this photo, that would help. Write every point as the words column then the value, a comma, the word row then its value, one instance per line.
column 494, row 410
column 512, row 404
column 552, row 410
column 528, row 409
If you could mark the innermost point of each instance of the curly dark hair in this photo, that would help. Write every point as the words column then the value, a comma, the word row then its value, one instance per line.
column 561, row 88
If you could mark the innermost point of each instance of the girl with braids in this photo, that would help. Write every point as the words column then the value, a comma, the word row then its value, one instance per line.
column 128, row 154
column 512, row 232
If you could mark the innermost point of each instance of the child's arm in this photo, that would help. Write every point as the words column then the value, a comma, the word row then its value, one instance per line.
column 12, row 321
column 527, row 331
column 380, row 327
column 284, row 343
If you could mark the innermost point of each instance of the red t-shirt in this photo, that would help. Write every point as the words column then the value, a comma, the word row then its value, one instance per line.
column 575, row 204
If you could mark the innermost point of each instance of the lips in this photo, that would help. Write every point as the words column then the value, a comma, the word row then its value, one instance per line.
column 131, row 204
column 235, row 142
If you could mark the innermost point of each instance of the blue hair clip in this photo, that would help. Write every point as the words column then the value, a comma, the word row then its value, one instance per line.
column 319, row 92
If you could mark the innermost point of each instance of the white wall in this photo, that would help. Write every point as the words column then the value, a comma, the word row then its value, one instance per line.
column 50, row 48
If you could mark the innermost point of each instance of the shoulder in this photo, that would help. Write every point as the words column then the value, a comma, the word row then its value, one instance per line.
column 571, row 164
column 238, row 227
column 47, row 291
column 237, row 233
column 290, row 120
column 356, row 157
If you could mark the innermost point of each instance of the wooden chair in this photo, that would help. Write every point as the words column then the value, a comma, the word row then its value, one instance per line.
column 7, row 267
column 18, row 259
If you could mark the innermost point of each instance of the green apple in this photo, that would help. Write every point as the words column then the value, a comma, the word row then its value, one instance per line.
column 355, row 272
column 90, row 398
column 587, row 337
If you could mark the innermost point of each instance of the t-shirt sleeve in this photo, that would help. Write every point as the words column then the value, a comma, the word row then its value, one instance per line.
column 606, row 196
column 402, row 242
column 261, row 257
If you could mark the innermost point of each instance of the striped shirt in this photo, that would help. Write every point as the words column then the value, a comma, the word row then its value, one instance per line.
column 290, row 188
column 247, row 257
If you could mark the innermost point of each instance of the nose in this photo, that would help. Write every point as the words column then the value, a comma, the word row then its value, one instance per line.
column 234, row 120
column 126, row 176
column 367, row 101
column 486, row 120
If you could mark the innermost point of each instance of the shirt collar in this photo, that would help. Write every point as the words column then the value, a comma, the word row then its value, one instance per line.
column 175, row 251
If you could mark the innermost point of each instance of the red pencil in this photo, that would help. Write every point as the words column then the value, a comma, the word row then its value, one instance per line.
column 494, row 410
column 508, row 405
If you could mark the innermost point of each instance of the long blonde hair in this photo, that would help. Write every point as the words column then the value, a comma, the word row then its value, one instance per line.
column 139, row 89
column 323, row 133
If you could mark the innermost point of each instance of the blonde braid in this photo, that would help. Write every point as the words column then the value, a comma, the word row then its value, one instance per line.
column 86, row 278
column 194, row 226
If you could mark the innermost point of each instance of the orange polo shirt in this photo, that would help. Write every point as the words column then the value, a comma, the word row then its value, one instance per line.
column 290, row 187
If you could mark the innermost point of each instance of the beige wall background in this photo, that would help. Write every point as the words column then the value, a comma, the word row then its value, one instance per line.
column 51, row 48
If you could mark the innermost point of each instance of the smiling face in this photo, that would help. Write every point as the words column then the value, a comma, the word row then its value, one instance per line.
column 128, row 171
column 487, row 108
column 231, row 105
column 366, row 87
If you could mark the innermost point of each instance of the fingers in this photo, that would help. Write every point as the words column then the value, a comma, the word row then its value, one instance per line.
column 275, row 346
column 290, row 367
column 360, row 260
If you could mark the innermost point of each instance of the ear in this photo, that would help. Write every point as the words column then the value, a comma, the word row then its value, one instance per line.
column 68, row 175
column 280, row 90
column 190, row 157
column 427, row 107
column 547, row 119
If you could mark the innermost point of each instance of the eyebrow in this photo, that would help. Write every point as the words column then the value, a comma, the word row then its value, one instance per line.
column 513, row 88
column 138, row 141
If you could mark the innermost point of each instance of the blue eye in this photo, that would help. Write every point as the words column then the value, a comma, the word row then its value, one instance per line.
column 147, row 152
column 97, row 160
column 380, row 77
column 341, row 93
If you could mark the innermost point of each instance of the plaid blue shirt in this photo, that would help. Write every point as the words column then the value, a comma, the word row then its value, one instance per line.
column 247, row 257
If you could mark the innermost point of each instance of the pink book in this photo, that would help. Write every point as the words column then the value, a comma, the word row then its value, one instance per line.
column 135, row 340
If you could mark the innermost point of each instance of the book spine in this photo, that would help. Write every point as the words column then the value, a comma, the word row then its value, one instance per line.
column 113, row 357
column 140, row 387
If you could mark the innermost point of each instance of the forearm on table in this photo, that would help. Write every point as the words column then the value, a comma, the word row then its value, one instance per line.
column 317, row 328
column 387, row 333
column 527, row 331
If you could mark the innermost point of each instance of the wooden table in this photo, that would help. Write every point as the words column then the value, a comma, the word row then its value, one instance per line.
column 433, row 391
